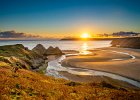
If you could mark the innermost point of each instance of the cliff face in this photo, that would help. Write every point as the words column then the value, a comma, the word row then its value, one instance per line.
column 133, row 42
column 53, row 51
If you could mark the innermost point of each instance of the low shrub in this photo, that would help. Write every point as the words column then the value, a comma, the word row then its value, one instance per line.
column 73, row 84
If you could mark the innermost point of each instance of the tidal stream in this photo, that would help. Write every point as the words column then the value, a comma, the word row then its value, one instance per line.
column 54, row 66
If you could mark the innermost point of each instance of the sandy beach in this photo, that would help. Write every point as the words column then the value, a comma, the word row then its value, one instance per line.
column 120, row 61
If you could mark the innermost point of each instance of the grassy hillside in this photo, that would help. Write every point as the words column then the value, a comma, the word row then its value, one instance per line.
column 25, row 84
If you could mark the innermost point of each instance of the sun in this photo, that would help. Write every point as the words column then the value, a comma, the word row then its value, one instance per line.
column 85, row 35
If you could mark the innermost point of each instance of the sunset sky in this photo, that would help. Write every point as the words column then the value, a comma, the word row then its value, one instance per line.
column 69, row 17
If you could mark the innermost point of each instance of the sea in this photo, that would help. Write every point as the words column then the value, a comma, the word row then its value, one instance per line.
column 63, row 45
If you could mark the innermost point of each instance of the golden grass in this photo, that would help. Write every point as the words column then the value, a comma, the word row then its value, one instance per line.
column 28, row 85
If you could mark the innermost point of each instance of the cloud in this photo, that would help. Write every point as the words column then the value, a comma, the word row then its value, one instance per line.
column 13, row 34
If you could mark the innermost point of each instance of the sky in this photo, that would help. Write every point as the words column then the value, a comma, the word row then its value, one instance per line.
column 58, row 18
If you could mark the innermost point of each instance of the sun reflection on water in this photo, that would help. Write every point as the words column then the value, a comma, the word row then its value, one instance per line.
column 84, row 49
column 85, row 46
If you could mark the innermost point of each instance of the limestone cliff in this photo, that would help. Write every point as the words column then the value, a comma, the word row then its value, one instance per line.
column 53, row 51
column 39, row 49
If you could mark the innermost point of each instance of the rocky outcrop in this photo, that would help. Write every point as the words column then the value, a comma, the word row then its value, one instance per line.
column 133, row 42
column 53, row 51
column 39, row 49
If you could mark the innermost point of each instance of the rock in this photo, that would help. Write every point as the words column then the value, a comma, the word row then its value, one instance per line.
column 36, row 63
column 57, row 50
column 39, row 49
column 132, row 42
column 53, row 51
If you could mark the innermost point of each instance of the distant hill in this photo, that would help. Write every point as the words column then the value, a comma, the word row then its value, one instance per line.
column 131, row 42
column 79, row 39
column 121, row 33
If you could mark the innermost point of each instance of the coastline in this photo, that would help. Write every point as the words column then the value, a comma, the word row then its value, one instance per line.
column 22, row 81
column 78, row 62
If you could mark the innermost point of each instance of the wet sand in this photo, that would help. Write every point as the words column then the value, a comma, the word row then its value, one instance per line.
column 108, row 60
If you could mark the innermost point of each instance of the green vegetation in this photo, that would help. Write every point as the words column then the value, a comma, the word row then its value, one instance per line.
column 17, row 50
